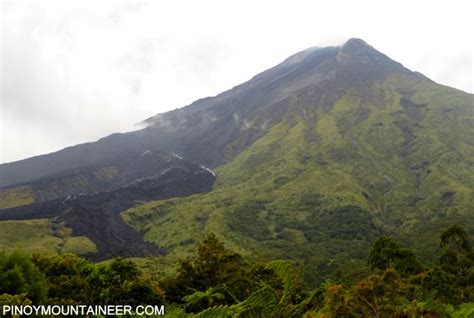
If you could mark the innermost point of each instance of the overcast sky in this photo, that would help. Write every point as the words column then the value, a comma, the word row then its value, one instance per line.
column 75, row 71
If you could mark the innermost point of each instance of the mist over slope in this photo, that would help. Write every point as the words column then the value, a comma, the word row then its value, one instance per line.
column 212, row 130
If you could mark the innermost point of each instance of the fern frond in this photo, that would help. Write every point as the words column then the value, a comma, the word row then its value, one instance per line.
column 217, row 312
column 286, row 272
column 262, row 300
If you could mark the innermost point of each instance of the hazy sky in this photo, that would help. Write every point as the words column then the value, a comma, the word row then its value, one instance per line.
column 75, row 71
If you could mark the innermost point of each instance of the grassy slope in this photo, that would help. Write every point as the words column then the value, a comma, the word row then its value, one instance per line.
column 42, row 236
column 14, row 197
column 409, row 169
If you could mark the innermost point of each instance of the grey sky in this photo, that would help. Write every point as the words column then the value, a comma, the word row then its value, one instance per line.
column 75, row 71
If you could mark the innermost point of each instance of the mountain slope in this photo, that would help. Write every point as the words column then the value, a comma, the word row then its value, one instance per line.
column 211, row 131
column 314, row 159
column 391, row 153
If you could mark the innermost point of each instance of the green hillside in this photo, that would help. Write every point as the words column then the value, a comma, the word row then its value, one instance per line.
column 394, row 158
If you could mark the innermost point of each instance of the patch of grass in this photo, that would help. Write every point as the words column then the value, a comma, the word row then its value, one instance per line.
column 14, row 197
column 38, row 236
column 30, row 235
column 106, row 173
column 78, row 245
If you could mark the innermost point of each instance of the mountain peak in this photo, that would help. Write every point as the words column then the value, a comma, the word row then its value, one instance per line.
column 358, row 49
column 353, row 43
column 358, row 52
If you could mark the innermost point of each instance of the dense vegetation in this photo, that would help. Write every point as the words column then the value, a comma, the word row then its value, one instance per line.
column 218, row 282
